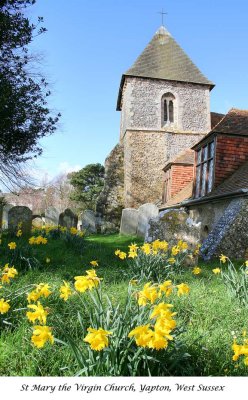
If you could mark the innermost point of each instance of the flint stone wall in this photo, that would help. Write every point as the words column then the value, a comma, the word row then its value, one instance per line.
column 129, row 221
column 20, row 216
column 111, row 201
column 141, row 105
column 229, row 234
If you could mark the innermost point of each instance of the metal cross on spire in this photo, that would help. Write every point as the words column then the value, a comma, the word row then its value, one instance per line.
column 162, row 15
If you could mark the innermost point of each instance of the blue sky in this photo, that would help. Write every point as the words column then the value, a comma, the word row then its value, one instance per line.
column 90, row 44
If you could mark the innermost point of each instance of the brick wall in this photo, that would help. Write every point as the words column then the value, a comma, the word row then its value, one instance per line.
column 231, row 153
column 181, row 175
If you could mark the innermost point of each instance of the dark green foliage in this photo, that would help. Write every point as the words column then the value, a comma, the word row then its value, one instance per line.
column 87, row 183
column 24, row 114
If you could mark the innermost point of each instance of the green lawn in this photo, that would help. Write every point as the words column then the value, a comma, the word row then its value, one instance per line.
column 208, row 315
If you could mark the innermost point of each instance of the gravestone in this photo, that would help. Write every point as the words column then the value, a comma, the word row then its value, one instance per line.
column 145, row 213
column 173, row 225
column 51, row 216
column 37, row 221
column 88, row 221
column 5, row 215
column 20, row 217
column 129, row 221
column 68, row 219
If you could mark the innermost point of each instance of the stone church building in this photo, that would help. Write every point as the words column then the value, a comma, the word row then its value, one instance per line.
column 173, row 152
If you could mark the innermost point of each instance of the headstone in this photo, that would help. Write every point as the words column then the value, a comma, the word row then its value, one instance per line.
column 6, row 215
column 145, row 213
column 88, row 221
column 51, row 216
column 68, row 219
column 20, row 217
column 173, row 225
column 129, row 221
column 37, row 222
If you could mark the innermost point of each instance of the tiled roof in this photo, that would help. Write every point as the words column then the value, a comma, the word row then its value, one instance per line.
column 164, row 59
column 234, row 122
column 215, row 118
column 238, row 180
column 185, row 157
column 184, row 194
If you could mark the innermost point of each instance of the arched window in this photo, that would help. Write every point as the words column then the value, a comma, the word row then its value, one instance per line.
column 168, row 109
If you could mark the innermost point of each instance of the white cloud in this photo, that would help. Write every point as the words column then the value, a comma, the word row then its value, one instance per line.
column 65, row 167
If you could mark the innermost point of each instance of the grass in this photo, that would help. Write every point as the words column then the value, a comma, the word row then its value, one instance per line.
column 209, row 315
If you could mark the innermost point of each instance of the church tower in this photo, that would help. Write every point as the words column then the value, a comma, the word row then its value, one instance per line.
column 164, row 101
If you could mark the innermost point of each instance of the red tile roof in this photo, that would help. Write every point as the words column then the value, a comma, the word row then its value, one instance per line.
column 185, row 157
column 238, row 180
column 184, row 194
column 234, row 122
column 215, row 118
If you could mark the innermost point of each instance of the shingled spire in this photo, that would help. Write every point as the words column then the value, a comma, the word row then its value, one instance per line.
column 164, row 59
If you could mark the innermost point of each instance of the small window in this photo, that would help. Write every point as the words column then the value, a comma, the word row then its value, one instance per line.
column 168, row 109
column 204, row 170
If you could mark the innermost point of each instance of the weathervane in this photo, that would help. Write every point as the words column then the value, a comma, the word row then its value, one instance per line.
column 162, row 15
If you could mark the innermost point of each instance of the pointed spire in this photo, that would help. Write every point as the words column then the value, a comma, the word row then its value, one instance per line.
column 164, row 59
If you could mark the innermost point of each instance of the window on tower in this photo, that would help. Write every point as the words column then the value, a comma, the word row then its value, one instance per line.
column 168, row 109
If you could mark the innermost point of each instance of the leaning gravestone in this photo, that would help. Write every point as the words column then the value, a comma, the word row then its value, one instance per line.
column 145, row 213
column 5, row 215
column 68, row 219
column 129, row 221
column 88, row 221
column 20, row 217
column 51, row 216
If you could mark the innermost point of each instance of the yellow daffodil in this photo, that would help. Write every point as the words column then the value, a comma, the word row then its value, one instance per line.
column 160, row 309
column 132, row 254
column 41, row 335
column 117, row 252
column 65, row 291
column 182, row 245
column 182, row 289
column 12, row 245
column 8, row 273
column 175, row 250
column 157, row 341
column 38, row 314
column 97, row 338
column 19, row 233
column 122, row 255
column 94, row 263
column 133, row 247
column 142, row 335
column 4, row 306
column 223, row 258
column 196, row 270
column 148, row 294
column 86, row 282
column 146, row 248
column 216, row 271
column 73, row 231
column 41, row 290
column 171, row 260
column 166, row 287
